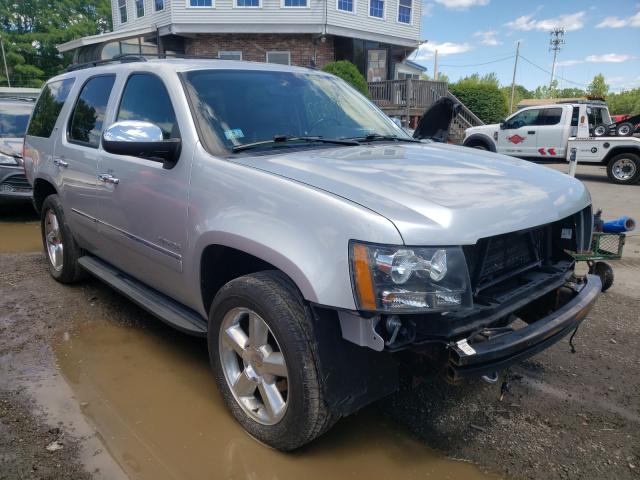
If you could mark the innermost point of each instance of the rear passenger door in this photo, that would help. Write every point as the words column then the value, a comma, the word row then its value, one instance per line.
column 551, row 132
column 143, row 213
column 76, row 157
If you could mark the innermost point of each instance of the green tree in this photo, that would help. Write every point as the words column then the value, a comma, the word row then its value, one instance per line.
column 571, row 93
column 519, row 93
column 598, row 87
column 31, row 29
column 349, row 73
column 486, row 100
column 627, row 101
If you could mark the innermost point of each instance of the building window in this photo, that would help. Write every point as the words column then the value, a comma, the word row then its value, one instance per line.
column 376, row 65
column 345, row 5
column 376, row 8
column 159, row 5
column 248, row 3
column 283, row 58
column 230, row 55
column 404, row 11
column 139, row 8
column 295, row 3
column 122, row 7
column 201, row 3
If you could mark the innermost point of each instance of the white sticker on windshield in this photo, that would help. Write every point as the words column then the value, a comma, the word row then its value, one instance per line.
column 566, row 234
column 233, row 134
column 465, row 347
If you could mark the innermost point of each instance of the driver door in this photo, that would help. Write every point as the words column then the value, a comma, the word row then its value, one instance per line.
column 517, row 135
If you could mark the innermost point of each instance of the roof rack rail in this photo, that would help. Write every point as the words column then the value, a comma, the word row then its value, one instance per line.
column 129, row 58
column 593, row 102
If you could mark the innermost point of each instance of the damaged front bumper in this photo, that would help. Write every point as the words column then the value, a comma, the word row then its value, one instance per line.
column 484, row 354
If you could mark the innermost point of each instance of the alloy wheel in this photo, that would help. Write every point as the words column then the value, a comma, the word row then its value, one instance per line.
column 624, row 169
column 53, row 240
column 254, row 366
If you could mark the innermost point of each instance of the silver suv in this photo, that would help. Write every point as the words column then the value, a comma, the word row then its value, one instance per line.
column 321, row 250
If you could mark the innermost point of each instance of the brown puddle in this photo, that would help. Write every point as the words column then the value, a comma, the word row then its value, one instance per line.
column 20, row 237
column 151, row 396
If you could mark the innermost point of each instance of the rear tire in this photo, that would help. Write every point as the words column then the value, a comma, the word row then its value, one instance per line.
column 60, row 248
column 241, row 366
column 625, row 129
column 624, row 168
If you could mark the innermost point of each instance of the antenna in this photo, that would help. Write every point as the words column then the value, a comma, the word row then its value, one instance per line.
column 555, row 44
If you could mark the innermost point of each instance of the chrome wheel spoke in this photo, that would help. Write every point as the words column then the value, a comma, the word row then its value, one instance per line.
column 235, row 338
column 273, row 364
column 272, row 398
column 258, row 330
column 53, row 240
column 243, row 386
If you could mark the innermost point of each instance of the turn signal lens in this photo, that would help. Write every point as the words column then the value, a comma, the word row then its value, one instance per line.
column 362, row 278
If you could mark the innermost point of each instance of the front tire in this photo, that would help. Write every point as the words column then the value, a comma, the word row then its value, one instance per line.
column 624, row 168
column 60, row 248
column 261, row 351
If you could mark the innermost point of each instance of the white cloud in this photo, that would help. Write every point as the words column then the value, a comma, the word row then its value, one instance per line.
column 488, row 38
column 606, row 58
column 570, row 22
column 462, row 4
column 427, row 9
column 427, row 50
column 609, row 58
column 616, row 22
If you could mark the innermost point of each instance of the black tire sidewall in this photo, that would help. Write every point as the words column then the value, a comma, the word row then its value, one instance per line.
column 631, row 129
column 631, row 156
column 70, row 270
column 290, row 432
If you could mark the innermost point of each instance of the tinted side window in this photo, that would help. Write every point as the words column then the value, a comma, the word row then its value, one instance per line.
column 575, row 116
column 45, row 114
column 551, row 116
column 145, row 98
column 88, row 114
column 524, row 118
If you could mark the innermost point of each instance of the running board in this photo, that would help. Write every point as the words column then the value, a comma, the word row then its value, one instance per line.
column 156, row 303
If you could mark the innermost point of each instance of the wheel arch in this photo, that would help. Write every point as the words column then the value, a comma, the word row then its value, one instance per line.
column 480, row 138
column 41, row 190
column 615, row 151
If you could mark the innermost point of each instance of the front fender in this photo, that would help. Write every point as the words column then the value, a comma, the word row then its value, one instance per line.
column 486, row 139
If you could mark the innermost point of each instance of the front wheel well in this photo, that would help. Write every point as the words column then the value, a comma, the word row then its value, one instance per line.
column 41, row 190
column 617, row 151
column 220, row 264
column 480, row 139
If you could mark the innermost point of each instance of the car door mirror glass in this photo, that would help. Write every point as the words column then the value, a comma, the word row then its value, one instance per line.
column 140, row 139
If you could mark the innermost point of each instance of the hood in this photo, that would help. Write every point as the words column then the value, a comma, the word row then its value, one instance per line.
column 488, row 129
column 435, row 194
column 11, row 146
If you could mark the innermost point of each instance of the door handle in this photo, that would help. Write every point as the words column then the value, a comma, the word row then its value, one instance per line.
column 59, row 162
column 107, row 178
column 531, row 132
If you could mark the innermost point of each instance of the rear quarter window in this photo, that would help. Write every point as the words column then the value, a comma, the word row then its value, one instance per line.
column 46, row 112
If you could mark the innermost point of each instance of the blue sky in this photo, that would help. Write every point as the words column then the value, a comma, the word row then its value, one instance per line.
column 601, row 37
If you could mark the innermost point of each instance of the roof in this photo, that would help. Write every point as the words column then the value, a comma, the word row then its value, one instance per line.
column 105, row 37
column 415, row 65
column 533, row 102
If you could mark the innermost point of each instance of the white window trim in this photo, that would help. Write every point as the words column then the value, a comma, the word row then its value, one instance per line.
column 230, row 52
column 235, row 5
column 353, row 12
column 384, row 11
column 126, row 8
column 188, row 5
column 413, row 7
column 266, row 57
column 161, row 9
column 282, row 5
column 144, row 9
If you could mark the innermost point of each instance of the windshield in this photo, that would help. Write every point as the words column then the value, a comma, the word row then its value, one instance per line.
column 14, row 120
column 240, row 107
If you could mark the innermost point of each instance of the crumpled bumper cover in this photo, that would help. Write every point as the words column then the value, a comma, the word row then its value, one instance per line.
column 467, row 359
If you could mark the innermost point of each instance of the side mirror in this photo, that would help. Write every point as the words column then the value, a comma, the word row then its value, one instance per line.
column 140, row 139
column 503, row 125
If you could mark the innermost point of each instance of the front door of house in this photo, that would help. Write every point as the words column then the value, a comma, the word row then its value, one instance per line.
column 376, row 65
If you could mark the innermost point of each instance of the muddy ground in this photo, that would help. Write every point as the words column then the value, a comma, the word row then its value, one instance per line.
column 126, row 396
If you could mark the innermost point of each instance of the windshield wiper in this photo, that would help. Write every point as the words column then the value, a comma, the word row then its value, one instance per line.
column 278, row 139
column 376, row 137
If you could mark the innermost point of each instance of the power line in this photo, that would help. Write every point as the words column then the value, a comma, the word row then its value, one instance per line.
column 548, row 72
column 480, row 64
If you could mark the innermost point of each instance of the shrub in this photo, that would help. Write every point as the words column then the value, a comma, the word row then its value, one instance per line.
column 349, row 73
column 483, row 99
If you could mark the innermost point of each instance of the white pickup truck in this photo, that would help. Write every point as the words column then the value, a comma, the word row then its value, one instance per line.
column 554, row 131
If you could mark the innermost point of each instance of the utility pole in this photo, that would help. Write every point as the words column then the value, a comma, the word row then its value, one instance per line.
column 513, row 80
column 555, row 44
column 435, row 66
column 4, row 58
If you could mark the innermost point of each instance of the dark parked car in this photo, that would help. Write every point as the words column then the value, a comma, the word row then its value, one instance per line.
column 14, row 117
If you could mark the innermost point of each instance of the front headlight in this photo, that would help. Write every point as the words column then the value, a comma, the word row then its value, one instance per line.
column 409, row 279
column 8, row 160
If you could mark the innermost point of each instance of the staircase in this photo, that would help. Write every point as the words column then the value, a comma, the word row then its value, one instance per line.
column 408, row 99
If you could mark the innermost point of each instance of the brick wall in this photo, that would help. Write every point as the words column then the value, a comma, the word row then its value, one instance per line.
column 254, row 47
